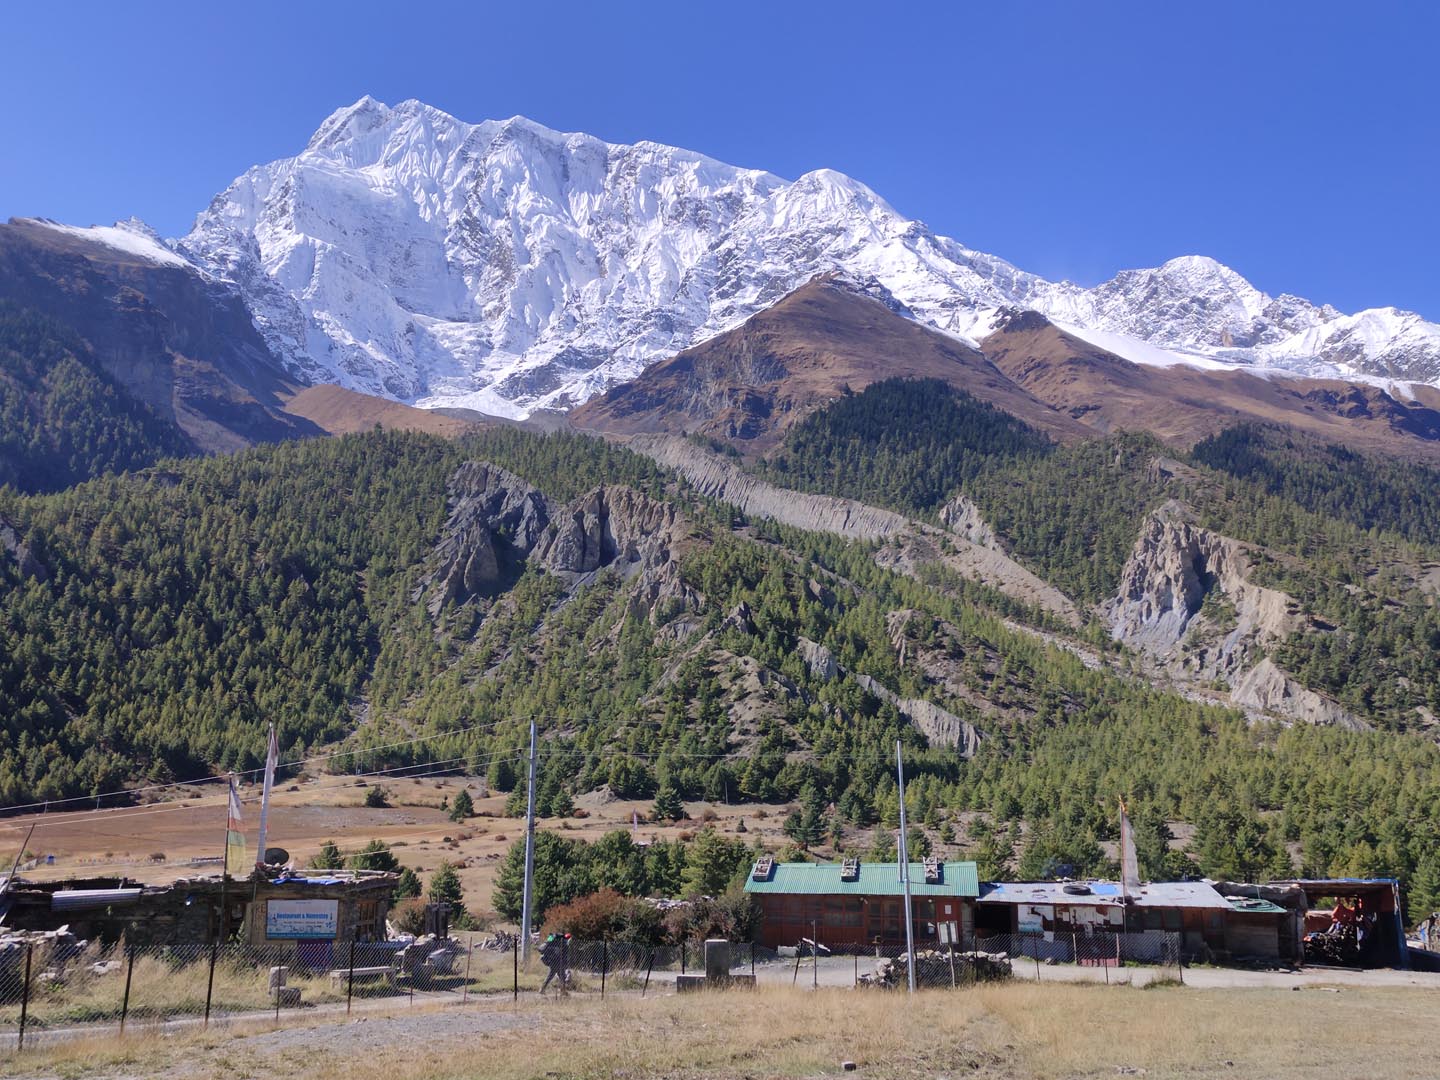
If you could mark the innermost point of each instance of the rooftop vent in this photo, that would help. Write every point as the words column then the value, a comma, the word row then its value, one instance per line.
column 850, row 870
column 764, row 868
column 933, row 873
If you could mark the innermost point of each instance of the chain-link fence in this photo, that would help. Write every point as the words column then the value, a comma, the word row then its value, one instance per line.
column 1150, row 948
column 1062, row 956
column 55, row 987
column 52, row 988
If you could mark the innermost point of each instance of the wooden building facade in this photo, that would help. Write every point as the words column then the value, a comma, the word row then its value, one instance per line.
column 855, row 905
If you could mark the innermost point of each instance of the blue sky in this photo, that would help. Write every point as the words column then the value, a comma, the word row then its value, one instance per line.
column 1297, row 142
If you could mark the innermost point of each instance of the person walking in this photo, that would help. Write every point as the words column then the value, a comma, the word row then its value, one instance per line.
column 555, row 955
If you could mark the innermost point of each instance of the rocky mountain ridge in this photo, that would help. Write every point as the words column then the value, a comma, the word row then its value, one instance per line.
column 503, row 266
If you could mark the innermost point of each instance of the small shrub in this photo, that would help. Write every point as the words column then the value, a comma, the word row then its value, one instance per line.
column 409, row 916
column 606, row 914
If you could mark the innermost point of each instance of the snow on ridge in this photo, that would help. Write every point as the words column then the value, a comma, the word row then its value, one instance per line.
column 507, row 266
column 132, row 237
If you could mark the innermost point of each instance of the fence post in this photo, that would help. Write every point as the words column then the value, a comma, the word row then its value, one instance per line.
column 469, row 955
column 350, row 982
column 604, row 964
column 814, row 956
column 682, row 956
column 752, row 961
column 515, row 954
column 129, row 971
column 648, row 968
column 25, row 999
column 210, row 982
column 952, row 963
column 1037, row 957
column 857, row 967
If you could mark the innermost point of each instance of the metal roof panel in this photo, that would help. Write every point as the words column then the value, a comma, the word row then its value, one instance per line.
column 874, row 879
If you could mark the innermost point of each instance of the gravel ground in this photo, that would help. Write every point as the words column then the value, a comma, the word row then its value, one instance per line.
column 282, row 1052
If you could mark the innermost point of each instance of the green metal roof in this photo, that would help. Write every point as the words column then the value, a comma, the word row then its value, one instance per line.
column 876, row 879
column 1251, row 905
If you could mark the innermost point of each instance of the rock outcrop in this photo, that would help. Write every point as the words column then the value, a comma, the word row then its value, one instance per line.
column 498, row 522
column 13, row 547
column 923, row 546
column 963, row 518
column 625, row 529
column 819, row 659
column 716, row 478
column 1173, row 569
column 1269, row 690
column 1186, row 601
column 607, row 525
column 495, row 519
column 940, row 726
column 911, row 544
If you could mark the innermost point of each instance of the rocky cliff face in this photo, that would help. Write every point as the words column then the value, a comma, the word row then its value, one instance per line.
column 963, row 518
column 1186, row 600
column 1267, row 689
column 498, row 522
column 1174, row 568
column 495, row 519
column 640, row 537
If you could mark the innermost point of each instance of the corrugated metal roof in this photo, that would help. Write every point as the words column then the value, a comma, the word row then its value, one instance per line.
column 1100, row 894
column 76, row 899
column 875, row 879
column 1160, row 894
column 1181, row 894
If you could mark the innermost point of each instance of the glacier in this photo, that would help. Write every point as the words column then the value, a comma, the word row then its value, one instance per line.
column 506, row 267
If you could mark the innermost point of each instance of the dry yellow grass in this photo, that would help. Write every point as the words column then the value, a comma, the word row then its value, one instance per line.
column 307, row 814
column 1016, row 1030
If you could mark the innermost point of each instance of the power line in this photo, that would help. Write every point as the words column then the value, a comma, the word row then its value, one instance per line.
column 552, row 751
column 47, row 803
column 127, row 813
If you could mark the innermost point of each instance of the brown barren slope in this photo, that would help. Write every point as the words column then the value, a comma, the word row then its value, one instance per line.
column 183, row 345
column 751, row 384
column 339, row 411
column 1183, row 405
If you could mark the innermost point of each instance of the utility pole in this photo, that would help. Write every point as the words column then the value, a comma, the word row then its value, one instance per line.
column 529, row 854
column 905, row 871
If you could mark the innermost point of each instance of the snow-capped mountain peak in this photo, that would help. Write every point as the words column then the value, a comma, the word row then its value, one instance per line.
column 506, row 266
